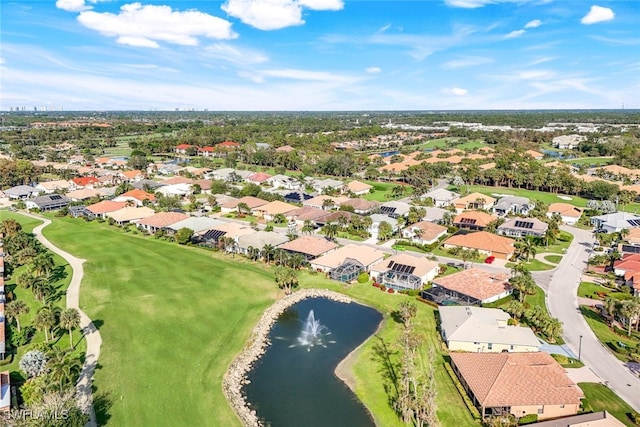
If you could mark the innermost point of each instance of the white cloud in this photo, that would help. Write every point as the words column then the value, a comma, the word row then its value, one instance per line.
column 145, row 26
column 384, row 28
column 514, row 34
column 457, row 91
column 473, row 4
column 533, row 24
column 598, row 14
column 234, row 54
column 295, row 74
column 373, row 70
column 72, row 5
column 467, row 62
column 275, row 14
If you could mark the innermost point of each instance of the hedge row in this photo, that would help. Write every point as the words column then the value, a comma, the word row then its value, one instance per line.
column 472, row 408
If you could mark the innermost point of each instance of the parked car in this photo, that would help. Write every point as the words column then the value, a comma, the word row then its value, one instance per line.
column 489, row 259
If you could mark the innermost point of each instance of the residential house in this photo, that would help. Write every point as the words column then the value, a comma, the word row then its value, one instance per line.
column 83, row 194
column 222, row 174
column 198, row 224
column 615, row 222
column 348, row 262
column 361, row 206
column 250, row 201
column 161, row 221
column 377, row 219
column 21, row 192
column 328, row 184
column 310, row 246
column 474, row 201
column 228, row 229
column 48, row 202
column 260, row 239
column 175, row 190
column 568, row 142
column 259, row 177
column 424, row 232
column 591, row 419
column 306, row 213
column 523, row 227
column 442, row 197
column 137, row 197
column 166, row 169
column 130, row 214
column 146, row 185
column 284, row 182
column 434, row 214
column 182, row 148
column 206, row 151
column 513, row 205
column 132, row 176
column 569, row 214
column 297, row 197
column 479, row 330
column 177, row 180
column 325, row 202
column 49, row 187
column 358, row 188
column 85, row 182
column 335, row 216
column 485, row 242
column 517, row 383
column 631, row 242
column 102, row 208
column 395, row 209
column 472, row 286
column 404, row 272
column 473, row 220
column 271, row 209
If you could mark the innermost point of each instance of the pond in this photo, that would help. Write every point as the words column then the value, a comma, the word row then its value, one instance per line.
column 294, row 383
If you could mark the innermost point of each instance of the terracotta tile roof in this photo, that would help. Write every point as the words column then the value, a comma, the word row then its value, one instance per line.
column 357, row 186
column 252, row 202
column 177, row 180
column 319, row 200
column 259, row 177
column 307, row 212
column 285, row 148
column 429, row 229
column 132, row 174
column 106, row 206
column 275, row 207
column 335, row 216
column 138, row 195
column 228, row 144
column 477, row 218
column 363, row 254
column 310, row 245
column 633, row 236
column 482, row 240
column 163, row 219
column 205, row 184
column 516, row 379
column 180, row 147
column 361, row 204
column 83, row 181
column 471, row 198
column 476, row 283
column 565, row 209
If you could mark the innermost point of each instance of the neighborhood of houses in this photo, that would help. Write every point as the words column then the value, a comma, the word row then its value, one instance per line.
column 499, row 364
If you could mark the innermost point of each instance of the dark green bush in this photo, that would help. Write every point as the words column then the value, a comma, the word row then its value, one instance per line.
column 528, row 419
column 363, row 277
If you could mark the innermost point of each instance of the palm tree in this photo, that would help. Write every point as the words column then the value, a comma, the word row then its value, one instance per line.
column 331, row 230
column 528, row 248
column 243, row 208
column 628, row 310
column 286, row 278
column 367, row 222
column 45, row 319
column 307, row 227
column 63, row 368
column 14, row 309
column 43, row 264
column 610, row 305
column 69, row 320
column 267, row 253
column 516, row 309
column 552, row 328
column 42, row 289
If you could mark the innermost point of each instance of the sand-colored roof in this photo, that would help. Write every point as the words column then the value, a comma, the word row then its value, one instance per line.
column 476, row 283
column 55, row 185
column 233, row 229
column 276, row 207
column 363, row 254
column 310, row 245
column 163, row 219
column 106, row 206
column 516, row 379
column 361, row 204
column 252, row 202
column 565, row 209
column 131, row 213
column 475, row 218
column 83, row 193
column 357, row 186
column 177, row 180
column 633, row 236
column 259, row 177
column 471, row 198
column 307, row 213
column 132, row 174
column 429, row 229
column 482, row 240
column 319, row 200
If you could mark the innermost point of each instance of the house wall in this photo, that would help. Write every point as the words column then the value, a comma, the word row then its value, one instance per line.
column 497, row 297
column 483, row 347
column 548, row 411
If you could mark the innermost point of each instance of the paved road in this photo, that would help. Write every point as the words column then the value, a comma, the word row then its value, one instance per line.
column 562, row 302
column 91, row 333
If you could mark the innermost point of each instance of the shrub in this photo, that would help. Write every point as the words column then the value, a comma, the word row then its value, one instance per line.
column 23, row 337
column 390, row 290
column 635, row 417
column 561, row 359
column 383, row 288
column 528, row 419
column 33, row 363
column 472, row 409
column 363, row 277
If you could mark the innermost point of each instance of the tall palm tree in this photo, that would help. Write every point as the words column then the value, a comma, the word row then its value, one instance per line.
column 63, row 368
column 42, row 289
column 70, row 320
column 45, row 319
column 516, row 309
column 331, row 230
column 552, row 328
column 43, row 264
column 14, row 309
column 307, row 227
column 267, row 253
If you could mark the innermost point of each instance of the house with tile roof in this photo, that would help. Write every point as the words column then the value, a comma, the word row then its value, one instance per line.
column 306, row 213
column 48, row 187
column 569, row 214
column 513, row 205
column 485, row 242
column 231, row 230
column 517, row 383
column 473, row 220
column 442, row 197
column 85, row 181
column 404, row 272
column 270, row 210
column 138, row 197
column 615, row 222
column 424, row 232
column 258, row 240
column 130, row 214
column 259, row 177
column 102, row 208
column 250, row 201
column 365, row 256
column 21, row 192
column 161, row 221
column 523, row 227
column 198, row 224
column 358, row 188
column 591, row 419
column 321, row 202
column 182, row 148
column 479, row 330
column 361, row 206
column 48, row 202
column 310, row 246
column 472, row 286
column 474, row 201
column 83, row 194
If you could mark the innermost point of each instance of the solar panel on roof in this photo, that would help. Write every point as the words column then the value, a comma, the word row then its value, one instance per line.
column 524, row 224
column 55, row 197
column 634, row 222
column 391, row 264
column 387, row 209
column 401, row 268
column 214, row 234
column 468, row 221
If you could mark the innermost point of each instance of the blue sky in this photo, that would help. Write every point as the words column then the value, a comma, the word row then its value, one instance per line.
column 319, row 54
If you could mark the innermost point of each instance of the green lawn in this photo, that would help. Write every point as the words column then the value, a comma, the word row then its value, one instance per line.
column 560, row 246
column 533, row 265
column 554, row 259
column 172, row 318
column 601, row 398
column 588, row 290
column 383, row 190
column 63, row 272
column 604, row 333
column 548, row 198
column 596, row 161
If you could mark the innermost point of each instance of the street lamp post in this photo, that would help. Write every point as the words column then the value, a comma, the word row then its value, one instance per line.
column 580, row 349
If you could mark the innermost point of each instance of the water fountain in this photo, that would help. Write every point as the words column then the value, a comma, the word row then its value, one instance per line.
column 313, row 333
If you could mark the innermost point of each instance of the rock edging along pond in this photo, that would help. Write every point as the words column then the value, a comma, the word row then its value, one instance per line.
column 236, row 375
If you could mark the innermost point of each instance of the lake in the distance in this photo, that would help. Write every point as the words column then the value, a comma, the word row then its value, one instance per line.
column 294, row 384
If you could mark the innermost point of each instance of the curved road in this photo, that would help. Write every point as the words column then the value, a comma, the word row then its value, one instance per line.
column 91, row 333
column 562, row 301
